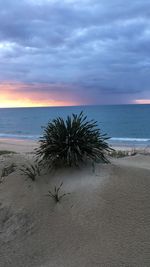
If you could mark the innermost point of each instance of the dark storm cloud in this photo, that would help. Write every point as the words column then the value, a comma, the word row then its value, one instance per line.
column 99, row 48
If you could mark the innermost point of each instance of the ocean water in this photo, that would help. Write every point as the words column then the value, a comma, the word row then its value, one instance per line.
column 125, row 124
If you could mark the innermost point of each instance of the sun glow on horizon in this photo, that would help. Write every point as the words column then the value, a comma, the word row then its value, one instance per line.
column 142, row 101
column 21, row 95
column 6, row 103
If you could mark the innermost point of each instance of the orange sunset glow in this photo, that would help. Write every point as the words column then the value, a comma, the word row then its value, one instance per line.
column 22, row 95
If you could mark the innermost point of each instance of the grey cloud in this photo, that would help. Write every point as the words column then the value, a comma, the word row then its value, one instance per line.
column 102, row 47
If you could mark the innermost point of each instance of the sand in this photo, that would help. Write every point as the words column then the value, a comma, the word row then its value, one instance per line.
column 19, row 146
column 103, row 222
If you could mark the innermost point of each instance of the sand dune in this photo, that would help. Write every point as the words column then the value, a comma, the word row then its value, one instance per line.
column 105, row 221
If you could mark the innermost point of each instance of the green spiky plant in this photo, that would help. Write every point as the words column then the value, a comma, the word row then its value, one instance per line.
column 72, row 141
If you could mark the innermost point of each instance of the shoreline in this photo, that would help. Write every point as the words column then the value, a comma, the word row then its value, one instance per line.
column 28, row 146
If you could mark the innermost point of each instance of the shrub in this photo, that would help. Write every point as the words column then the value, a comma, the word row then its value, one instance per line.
column 6, row 152
column 31, row 171
column 72, row 141
column 118, row 154
column 8, row 170
column 122, row 154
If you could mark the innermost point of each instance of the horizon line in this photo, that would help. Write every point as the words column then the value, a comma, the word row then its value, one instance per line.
column 82, row 105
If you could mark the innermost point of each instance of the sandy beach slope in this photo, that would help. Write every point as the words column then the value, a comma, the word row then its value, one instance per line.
column 103, row 222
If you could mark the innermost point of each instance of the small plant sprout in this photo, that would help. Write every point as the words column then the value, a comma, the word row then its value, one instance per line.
column 31, row 171
column 56, row 194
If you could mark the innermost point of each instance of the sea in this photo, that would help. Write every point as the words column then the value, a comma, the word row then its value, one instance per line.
column 126, row 125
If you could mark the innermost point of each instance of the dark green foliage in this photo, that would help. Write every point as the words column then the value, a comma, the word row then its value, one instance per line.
column 72, row 141
column 8, row 170
column 55, row 195
column 31, row 171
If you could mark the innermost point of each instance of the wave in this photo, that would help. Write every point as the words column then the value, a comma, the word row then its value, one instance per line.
column 128, row 139
column 19, row 136
column 36, row 137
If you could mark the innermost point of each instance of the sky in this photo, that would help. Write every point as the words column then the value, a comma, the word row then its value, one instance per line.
column 74, row 52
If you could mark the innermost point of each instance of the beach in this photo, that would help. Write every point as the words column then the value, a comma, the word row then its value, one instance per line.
column 74, row 133
column 103, row 221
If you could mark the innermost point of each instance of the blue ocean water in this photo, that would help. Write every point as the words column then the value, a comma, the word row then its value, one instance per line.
column 125, row 124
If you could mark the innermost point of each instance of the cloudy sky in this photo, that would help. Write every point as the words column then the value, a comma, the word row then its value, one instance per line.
column 73, row 52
